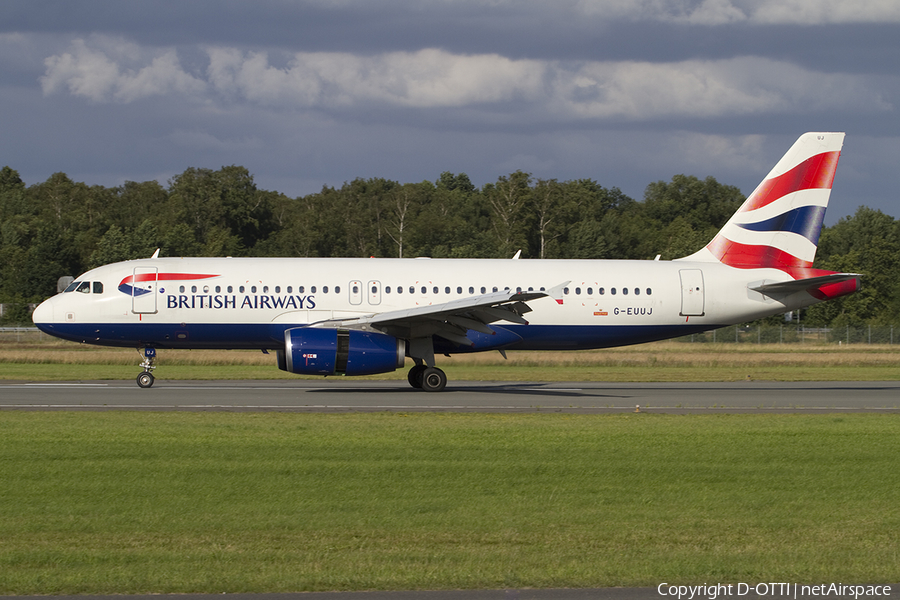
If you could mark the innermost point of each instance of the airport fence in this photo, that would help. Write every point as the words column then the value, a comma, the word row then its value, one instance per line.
column 734, row 334
column 23, row 335
column 792, row 334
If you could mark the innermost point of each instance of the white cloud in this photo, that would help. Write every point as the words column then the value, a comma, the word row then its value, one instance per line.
column 820, row 12
column 422, row 79
column 99, row 74
column 759, row 12
column 707, row 89
column 532, row 90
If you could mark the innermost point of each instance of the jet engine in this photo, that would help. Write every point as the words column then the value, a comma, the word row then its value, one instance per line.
column 311, row 351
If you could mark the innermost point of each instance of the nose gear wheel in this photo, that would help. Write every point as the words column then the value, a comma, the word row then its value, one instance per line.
column 146, row 378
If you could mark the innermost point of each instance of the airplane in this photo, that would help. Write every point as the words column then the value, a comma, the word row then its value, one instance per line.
column 361, row 316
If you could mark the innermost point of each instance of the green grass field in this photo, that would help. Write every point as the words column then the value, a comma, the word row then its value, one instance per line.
column 214, row 502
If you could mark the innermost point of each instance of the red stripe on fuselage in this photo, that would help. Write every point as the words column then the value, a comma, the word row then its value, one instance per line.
column 164, row 277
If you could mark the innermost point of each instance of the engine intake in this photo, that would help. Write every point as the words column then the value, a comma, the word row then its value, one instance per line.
column 311, row 351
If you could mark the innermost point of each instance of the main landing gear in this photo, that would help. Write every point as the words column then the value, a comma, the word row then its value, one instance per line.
column 146, row 378
column 430, row 379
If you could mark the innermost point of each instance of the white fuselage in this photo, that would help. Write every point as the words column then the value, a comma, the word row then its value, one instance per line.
column 250, row 302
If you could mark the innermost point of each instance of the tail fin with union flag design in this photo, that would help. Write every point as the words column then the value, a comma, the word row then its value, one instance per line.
column 778, row 225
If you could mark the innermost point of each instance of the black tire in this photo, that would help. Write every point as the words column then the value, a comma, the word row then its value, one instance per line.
column 433, row 380
column 145, row 379
column 415, row 376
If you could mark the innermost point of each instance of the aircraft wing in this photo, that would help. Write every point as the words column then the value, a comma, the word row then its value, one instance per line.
column 802, row 285
column 450, row 320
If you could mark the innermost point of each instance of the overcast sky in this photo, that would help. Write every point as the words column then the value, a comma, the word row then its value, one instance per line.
column 306, row 94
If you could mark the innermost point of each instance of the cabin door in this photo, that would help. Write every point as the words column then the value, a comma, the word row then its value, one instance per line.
column 692, row 295
column 143, row 290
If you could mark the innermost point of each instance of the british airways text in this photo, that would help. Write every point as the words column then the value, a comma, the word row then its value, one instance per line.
column 221, row 301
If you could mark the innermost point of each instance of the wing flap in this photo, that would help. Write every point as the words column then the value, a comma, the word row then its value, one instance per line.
column 450, row 320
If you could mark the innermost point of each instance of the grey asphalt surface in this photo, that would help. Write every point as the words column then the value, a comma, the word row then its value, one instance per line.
column 347, row 395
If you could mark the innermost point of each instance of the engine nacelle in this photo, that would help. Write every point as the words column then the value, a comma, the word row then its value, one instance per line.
column 311, row 351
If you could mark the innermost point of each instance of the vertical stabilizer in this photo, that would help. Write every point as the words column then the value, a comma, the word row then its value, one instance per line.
column 778, row 225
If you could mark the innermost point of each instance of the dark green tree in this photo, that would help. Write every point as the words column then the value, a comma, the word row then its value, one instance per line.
column 508, row 199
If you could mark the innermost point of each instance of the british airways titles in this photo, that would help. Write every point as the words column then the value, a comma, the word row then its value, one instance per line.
column 223, row 301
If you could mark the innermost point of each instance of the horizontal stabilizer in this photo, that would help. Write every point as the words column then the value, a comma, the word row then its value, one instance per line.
column 803, row 285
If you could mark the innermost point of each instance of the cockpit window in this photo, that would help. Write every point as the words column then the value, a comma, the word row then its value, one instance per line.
column 85, row 287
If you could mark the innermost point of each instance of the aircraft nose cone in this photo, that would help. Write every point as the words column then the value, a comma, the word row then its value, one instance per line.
column 43, row 314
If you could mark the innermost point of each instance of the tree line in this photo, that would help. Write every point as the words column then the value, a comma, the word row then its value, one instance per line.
column 61, row 227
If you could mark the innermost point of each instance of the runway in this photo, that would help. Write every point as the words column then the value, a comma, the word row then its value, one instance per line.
column 343, row 395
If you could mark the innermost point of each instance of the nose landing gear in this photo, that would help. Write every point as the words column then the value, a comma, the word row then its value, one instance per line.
column 146, row 378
